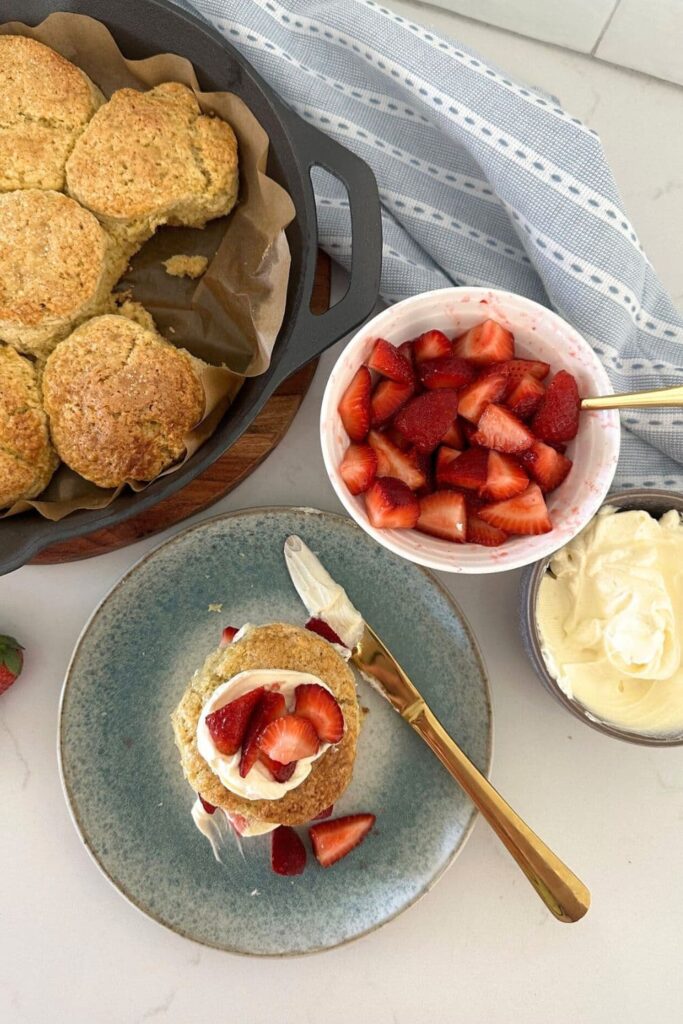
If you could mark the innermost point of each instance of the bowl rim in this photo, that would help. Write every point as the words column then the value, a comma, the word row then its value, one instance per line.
column 624, row 500
column 383, row 537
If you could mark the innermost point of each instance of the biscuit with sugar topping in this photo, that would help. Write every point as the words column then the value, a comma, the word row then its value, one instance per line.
column 27, row 458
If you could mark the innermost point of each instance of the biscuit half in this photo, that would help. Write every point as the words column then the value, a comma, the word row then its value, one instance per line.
column 277, row 646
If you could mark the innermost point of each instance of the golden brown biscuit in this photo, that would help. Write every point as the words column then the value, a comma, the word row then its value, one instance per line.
column 120, row 400
column 27, row 459
column 45, row 103
column 57, row 267
column 151, row 158
column 284, row 647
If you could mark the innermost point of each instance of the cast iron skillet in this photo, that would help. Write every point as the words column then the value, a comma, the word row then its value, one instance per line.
column 145, row 27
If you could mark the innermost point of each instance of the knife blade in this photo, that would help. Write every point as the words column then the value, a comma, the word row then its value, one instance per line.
column 563, row 893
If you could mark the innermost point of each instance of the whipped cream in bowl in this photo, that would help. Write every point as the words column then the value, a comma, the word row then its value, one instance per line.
column 603, row 619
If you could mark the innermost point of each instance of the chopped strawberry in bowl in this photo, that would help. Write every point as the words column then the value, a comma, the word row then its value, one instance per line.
column 452, row 433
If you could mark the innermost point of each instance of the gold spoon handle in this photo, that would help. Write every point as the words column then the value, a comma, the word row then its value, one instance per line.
column 639, row 399
column 563, row 893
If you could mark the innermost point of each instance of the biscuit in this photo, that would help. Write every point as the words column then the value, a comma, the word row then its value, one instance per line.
column 152, row 158
column 57, row 267
column 27, row 459
column 284, row 647
column 45, row 103
column 120, row 401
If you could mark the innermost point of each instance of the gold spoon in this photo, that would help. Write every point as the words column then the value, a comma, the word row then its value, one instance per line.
column 663, row 397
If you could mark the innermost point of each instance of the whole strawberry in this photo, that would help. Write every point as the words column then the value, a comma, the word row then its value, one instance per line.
column 11, row 661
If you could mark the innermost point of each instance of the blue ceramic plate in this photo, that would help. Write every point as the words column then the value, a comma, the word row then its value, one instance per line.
column 120, row 767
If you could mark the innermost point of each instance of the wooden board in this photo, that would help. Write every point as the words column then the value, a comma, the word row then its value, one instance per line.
column 264, row 434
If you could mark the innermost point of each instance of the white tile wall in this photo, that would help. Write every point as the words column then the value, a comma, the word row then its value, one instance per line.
column 646, row 35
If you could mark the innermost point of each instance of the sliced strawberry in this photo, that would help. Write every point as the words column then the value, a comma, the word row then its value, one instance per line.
column 406, row 350
column 238, row 821
column 525, row 397
column 354, row 407
column 397, row 438
column 444, row 457
column 280, row 772
column 289, row 739
column 473, row 502
column 391, row 363
column 468, row 470
column 322, row 629
column 270, row 706
column 319, row 706
column 209, row 808
column 426, row 418
column 287, row 852
column 228, row 635
column 454, row 436
column 358, row 467
column 557, row 418
column 332, row 840
column 443, row 514
column 326, row 813
column 476, row 396
column 486, row 343
column 391, row 504
column 391, row 461
column 387, row 398
column 504, row 477
column 515, row 369
column 498, row 428
column 431, row 345
column 526, row 513
column 559, row 446
column 547, row 466
column 228, row 725
column 445, row 372
column 468, row 429
column 479, row 532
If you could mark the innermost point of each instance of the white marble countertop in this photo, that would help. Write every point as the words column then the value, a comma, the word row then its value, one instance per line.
column 480, row 947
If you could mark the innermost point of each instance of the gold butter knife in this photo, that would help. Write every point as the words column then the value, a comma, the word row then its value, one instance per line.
column 563, row 893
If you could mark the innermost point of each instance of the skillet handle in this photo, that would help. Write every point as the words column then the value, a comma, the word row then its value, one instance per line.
column 314, row 333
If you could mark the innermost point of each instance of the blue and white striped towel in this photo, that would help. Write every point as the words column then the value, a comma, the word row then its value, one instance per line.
column 483, row 181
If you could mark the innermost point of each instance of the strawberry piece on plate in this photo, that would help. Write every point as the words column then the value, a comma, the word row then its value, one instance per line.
column 392, row 461
column 228, row 724
column 525, row 397
column 354, row 407
column 468, row 470
column 431, row 345
column 320, row 707
column 426, row 418
column 332, row 840
column 476, row 396
column 547, row 466
column 526, row 513
column 387, row 398
column 391, row 363
column 515, row 369
column 228, row 635
column 444, row 457
column 499, row 428
column 445, row 372
column 479, row 532
column 270, row 706
column 454, row 436
column 289, row 739
column 280, row 772
column 391, row 505
column 325, row 813
column 358, row 468
column 557, row 418
column 209, row 808
column 287, row 852
column 504, row 477
column 320, row 627
column 486, row 343
column 443, row 515
column 406, row 350
column 11, row 661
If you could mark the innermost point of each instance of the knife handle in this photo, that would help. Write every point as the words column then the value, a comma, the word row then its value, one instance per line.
column 563, row 893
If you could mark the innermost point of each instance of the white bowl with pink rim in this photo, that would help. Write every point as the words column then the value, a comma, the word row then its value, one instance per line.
column 539, row 334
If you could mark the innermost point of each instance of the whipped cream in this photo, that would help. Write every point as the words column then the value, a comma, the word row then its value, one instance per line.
column 220, row 827
column 258, row 783
column 611, row 621
column 323, row 598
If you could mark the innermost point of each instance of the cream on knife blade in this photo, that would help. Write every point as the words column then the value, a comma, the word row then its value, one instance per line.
column 323, row 598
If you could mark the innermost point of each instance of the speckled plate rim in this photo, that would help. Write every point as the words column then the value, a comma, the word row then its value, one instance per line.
column 70, row 803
